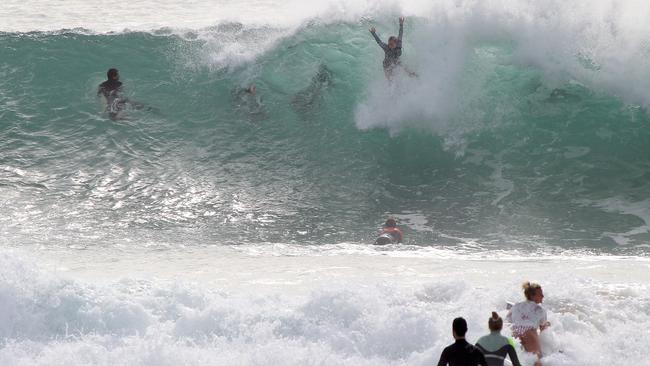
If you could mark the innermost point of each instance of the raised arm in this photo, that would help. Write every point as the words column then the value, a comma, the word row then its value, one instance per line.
column 377, row 39
column 401, row 28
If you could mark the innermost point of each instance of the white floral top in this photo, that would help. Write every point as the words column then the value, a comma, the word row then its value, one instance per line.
column 526, row 315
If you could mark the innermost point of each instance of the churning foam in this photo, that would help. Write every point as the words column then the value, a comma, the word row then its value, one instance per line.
column 599, row 44
column 99, row 16
column 324, row 310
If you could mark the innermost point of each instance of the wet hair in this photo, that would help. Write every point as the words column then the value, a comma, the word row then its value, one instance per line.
column 392, row 38
column 459, row 326
column 391, row 222
column 111, row 73
column 495, row 322
column 530, row 289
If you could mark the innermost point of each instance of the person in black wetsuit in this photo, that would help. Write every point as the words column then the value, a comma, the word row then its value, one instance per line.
column 392, row 50
column 111, row 89
column 496, row 347
column 309, row 98
column 461, row 353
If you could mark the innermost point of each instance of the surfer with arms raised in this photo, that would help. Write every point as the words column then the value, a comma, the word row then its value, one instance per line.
column 392, row 51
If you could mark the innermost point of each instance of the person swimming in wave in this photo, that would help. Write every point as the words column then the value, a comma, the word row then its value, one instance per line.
column 461, row 353
column 111, row 90
column 390, row 228
column 527, row 317
column 392, row 51
column 309, row 98
column 496, row 347
column 248, row 100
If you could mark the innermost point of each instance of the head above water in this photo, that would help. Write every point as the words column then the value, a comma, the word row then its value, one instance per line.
column 113, row 74
column 392, row 42
column 459, row 327
column 495, row 323
column 391, row 222
column 533, row 292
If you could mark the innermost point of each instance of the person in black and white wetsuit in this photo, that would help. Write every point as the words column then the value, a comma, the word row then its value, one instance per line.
column 392, row 50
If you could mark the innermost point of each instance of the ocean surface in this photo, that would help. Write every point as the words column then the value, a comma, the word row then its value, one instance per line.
column 214, row 227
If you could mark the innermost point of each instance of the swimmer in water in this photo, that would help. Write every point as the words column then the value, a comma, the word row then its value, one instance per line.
column 390, row 228
column 309, row 98
column 392, row 51
column 527, row 317
column 247, row 100
column 111, row 90
column 496, row 347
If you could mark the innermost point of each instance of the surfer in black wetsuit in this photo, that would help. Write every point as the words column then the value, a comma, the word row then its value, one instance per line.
column 111, row 89
column 392, row 50
column 309, row 98
column 461, row 353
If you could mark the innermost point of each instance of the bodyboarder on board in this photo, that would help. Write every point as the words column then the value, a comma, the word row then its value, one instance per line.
column 390, row 233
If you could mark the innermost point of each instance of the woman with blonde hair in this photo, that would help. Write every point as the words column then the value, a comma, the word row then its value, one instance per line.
column 527, row 317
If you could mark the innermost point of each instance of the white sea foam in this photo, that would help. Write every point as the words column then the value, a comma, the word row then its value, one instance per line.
column 598, row 44
column 338, row 310
column 100, row 16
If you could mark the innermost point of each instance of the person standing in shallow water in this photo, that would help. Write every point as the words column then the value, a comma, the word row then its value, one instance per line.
column 496, row 347
column 461, row 353
column 527, row 317
column 392, row 50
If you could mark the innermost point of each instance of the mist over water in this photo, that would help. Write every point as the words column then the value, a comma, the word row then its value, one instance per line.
column 220, row 227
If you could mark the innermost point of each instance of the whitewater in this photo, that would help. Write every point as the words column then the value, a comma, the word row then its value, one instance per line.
column 220, row 228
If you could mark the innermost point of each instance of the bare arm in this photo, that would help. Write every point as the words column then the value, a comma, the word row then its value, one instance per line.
column 544, row 326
